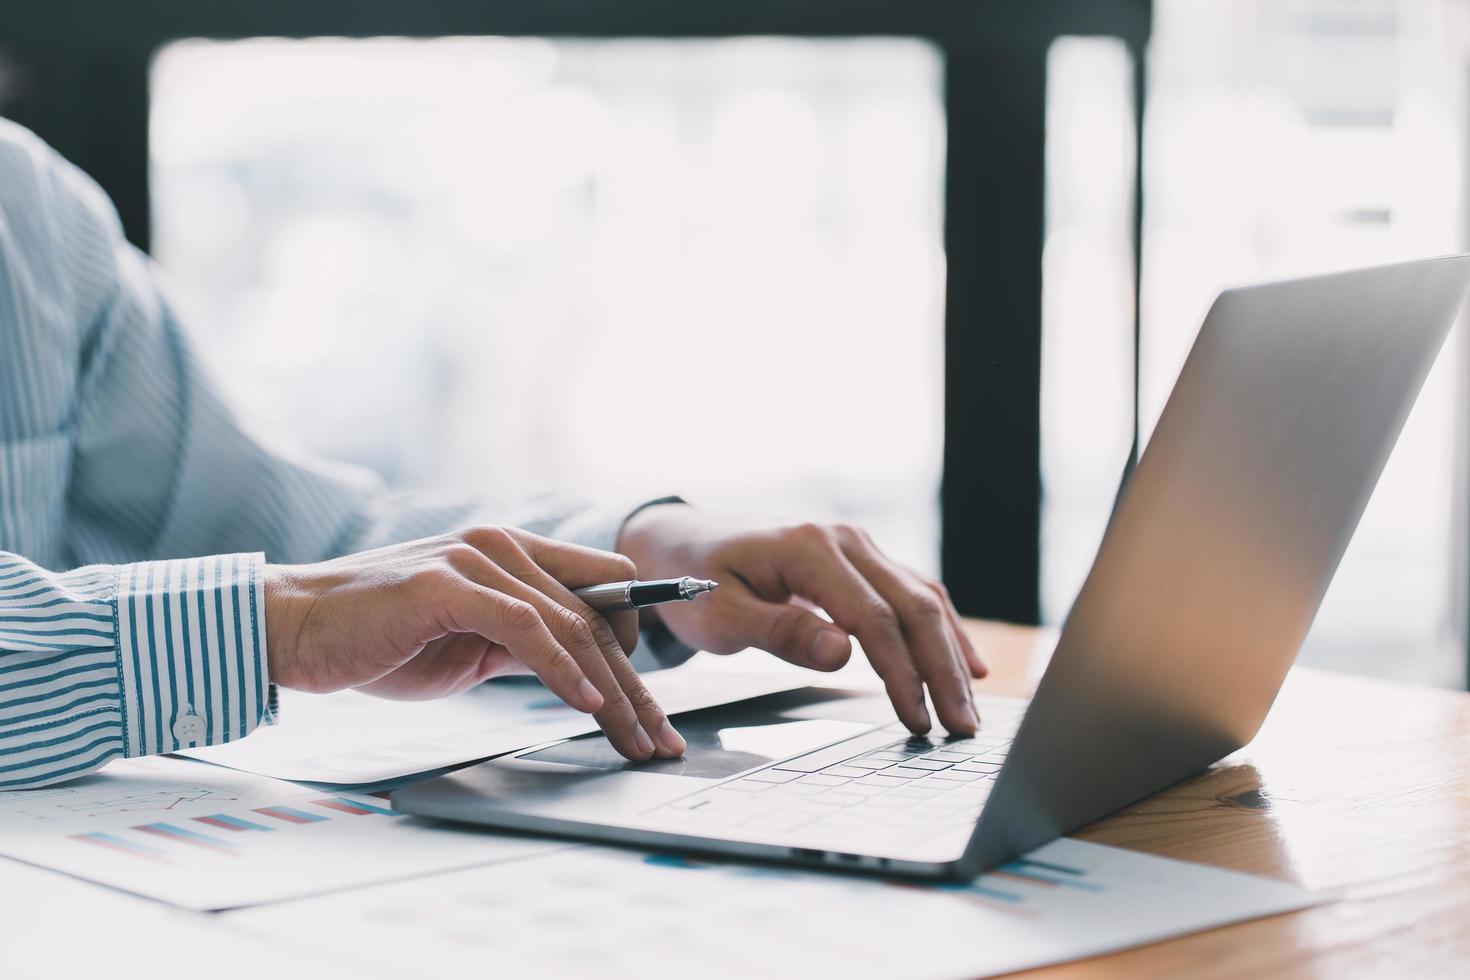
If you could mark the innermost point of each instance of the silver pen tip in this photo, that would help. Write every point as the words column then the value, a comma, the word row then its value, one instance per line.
column 692, row 587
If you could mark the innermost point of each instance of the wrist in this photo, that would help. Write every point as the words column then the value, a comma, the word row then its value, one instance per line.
column 283, row 618
column 650, row 536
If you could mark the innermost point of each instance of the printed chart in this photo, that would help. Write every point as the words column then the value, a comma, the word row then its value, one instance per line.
column 619, row 914
column 173, row 841
column 204, row 837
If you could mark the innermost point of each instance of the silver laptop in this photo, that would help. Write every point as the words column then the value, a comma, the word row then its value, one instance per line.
column 1204, row 586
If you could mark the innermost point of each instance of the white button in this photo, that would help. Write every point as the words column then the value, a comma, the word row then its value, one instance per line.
column 189, row 728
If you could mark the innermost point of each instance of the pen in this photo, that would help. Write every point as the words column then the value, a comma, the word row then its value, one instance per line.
column 613, row 596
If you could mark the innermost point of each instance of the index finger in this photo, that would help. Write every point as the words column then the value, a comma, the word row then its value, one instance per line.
column 574, row 565
column 825, row 576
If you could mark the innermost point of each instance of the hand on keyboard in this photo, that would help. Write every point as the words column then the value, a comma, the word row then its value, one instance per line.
column 771, row 577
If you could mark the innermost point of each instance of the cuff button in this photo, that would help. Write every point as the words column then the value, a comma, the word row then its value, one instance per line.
column 188, row 729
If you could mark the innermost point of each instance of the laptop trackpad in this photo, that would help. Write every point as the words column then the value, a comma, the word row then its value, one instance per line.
column 717, row 749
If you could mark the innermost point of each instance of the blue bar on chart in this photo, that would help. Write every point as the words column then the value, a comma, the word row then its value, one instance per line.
column 183, row 835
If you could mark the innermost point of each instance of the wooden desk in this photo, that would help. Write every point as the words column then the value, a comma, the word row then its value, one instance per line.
column 1354, row 785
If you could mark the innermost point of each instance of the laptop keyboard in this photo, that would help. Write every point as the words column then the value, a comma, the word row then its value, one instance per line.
column 868, row 788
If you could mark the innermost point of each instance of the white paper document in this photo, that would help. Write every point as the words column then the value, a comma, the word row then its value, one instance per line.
column 350, row 738
column 203, row 837
column 604, row 913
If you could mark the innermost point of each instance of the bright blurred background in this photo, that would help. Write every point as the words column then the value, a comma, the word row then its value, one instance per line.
column 460, row 261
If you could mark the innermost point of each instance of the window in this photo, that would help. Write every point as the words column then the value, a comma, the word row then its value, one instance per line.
column 1282, row 138
column 488, row 263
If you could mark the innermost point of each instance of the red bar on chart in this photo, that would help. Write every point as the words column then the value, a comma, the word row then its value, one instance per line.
column 290, row 814
column 122, row 846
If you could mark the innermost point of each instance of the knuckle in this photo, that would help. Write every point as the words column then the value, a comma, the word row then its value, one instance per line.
column 603, row 633
column 488, row 538
column 811, row 532
column 521, row 616
column 577, row 630
column 461, row 556
column 880, row 614
column 643, row 701
column 926, row 606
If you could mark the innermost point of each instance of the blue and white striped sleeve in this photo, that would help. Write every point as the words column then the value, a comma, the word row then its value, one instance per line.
column 110, row 661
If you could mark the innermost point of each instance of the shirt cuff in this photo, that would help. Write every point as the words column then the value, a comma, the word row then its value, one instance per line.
column 191, row 651
column 599, row 527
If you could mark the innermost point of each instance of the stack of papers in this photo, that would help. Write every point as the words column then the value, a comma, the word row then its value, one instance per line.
column 598, row 912
column 353, row 739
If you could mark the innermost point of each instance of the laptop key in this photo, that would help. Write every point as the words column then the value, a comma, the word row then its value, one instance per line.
column 957, row 776
column 882, row 779
column 948, row 757
column 822, row 779
column 869, row 762
column 799, row 788
column 926, row 763
column 978, row 765
column 858, row 789
column 850, row 772
column 772, row 776
column 906, row 772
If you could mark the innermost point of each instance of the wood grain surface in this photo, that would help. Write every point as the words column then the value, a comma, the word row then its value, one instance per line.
column 1358, row 787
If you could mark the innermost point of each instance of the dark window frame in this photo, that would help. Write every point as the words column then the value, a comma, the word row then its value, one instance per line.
column 79, row 77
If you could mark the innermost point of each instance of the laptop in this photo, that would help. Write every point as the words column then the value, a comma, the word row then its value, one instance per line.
column 1207, row 579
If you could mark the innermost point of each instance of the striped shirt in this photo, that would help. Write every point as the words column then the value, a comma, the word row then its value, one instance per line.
column 120, row 460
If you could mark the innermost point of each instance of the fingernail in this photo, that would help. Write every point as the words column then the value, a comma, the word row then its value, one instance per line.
column 828, row 649
column 967, row 709
column 644, row 743
column 671, row 739
column 591, row 696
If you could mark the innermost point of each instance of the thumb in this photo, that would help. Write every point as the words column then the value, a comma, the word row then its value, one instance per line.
column 794, row 634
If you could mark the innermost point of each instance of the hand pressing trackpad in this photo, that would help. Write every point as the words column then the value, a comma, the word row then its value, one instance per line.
column 716, row 749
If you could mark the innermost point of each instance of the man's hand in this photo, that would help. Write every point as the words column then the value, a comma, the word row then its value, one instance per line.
column 771, row 579
column 434, row 617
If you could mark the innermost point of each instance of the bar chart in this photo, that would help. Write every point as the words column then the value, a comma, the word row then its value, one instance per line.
column 207, row 837
column 163, row 841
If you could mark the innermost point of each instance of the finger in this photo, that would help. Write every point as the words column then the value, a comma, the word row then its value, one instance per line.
column 973, row 660
column 937, row 653
column 789, row 631
column 625, row 627
column 630, row 716
column 469, row 607
column 822, row 573
column 626, row 687
column 591, row 644
column 573, row 565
